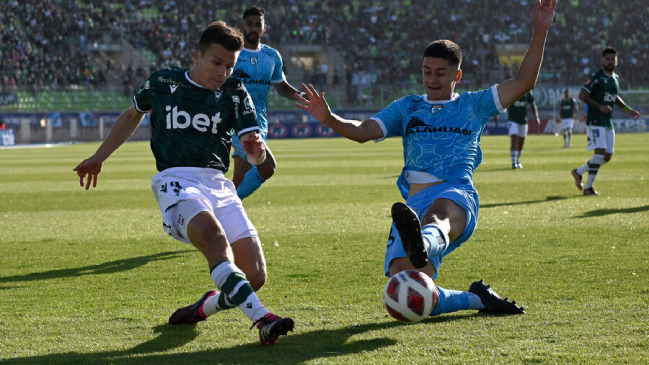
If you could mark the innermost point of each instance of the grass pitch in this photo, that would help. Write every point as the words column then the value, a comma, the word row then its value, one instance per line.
column 89, row 277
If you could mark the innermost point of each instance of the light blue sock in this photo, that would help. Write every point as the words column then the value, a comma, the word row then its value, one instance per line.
column 449, row 301
column 251, row 182
column 437, row 240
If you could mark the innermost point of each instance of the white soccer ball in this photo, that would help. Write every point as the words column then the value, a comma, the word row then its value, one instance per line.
column 410, row 296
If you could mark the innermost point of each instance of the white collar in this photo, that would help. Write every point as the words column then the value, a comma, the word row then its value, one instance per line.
column 453, row 97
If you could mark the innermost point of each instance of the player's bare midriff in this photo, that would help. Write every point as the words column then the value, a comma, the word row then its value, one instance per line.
column 415, row 187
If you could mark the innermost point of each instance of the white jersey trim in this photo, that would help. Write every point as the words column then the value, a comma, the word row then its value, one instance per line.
column 382, row 125
column 137, row 107
column 192, row 81
column 494, row 92
column 283, row 79
column 247, row 130
column 420, row 177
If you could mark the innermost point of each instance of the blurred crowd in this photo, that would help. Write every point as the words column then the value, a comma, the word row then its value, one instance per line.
column 57, row 43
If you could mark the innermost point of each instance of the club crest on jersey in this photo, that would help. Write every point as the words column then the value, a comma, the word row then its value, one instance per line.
column 253, row 61
column 147, row 85
column 235, row 99
column 436, row 107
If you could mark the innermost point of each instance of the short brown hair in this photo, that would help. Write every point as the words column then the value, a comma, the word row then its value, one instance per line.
column 444, row 49
column 220, row 33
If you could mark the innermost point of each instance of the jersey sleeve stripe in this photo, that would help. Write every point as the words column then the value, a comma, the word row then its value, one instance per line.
column 494, row 92
column 138, row 108
column 247, row 130
column 382, row 125
column 283, row 79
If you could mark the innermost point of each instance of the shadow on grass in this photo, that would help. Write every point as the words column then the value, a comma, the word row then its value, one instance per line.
column 548, row 199
column 105, row 268
column 601, row 212
column 296, row 348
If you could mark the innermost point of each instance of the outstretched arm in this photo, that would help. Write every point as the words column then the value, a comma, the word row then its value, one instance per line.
column 634, row 113
column 525, row 79
column 123, row 128
column 317, row 106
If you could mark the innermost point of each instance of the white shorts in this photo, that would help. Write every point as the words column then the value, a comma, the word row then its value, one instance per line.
column 600, row 137
column 183, row 192
column 517, row 129
column 566, row 123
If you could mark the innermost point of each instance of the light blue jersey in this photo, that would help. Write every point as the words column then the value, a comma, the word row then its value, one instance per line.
column 257, row 69
column 441, row 138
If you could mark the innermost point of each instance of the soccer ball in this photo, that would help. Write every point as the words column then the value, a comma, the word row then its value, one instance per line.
column 410, row 296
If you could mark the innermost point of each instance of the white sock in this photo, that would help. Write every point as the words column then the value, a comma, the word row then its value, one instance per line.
column 233, row 283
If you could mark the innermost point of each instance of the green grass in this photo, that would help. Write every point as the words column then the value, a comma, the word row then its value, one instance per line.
column 89, row 277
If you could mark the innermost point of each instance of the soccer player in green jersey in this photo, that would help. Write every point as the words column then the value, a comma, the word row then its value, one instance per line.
column 568, row 107
column 517, row 126
column 195, row 114
column 600, row 93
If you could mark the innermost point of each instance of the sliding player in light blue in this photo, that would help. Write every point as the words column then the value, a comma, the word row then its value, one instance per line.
column 441, row 142
column 258, row 67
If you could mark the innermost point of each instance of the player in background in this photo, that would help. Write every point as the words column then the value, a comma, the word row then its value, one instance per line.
column 600, row 93
column 258, row 67
column 441, row 141
column 568, row 108
column 517, row 124
column 195, row 114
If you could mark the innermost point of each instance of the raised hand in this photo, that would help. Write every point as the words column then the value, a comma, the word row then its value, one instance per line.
column 90, row 167
column 544, row 13
column 316, row 105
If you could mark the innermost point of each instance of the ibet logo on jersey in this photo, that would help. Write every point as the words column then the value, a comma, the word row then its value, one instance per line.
column 179, row 119
column 609, row 98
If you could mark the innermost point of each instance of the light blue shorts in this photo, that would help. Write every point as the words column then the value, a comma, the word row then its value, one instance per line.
column 463, row 195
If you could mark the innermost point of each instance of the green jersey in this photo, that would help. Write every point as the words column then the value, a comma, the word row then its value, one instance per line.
column 192, row 126
column 517, row 112
column 567, row 108
column 603, row 89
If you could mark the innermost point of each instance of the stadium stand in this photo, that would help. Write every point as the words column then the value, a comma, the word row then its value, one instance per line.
column 55, row 45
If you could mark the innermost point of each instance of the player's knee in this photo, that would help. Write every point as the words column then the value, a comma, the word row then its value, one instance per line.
column 433, row 218
column 268, row 167
column 257, row 279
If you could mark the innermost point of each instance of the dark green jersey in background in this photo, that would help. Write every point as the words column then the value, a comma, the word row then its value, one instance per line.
column 603, row 89
column 517, row 112
column 567, row 107
column 192, row 126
